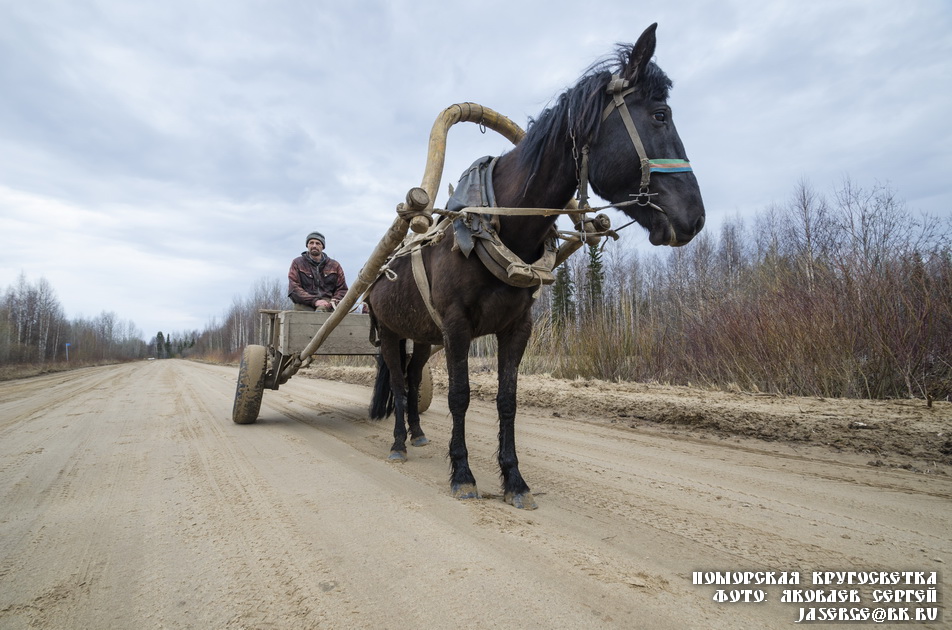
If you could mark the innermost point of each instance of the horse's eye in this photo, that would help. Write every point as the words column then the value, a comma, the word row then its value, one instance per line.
column 661, row 116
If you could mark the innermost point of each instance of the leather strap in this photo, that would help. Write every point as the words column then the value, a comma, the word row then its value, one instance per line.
column 423, row 284
column 618, row 102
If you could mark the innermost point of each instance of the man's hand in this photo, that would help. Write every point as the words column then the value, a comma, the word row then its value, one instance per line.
column 322, row 305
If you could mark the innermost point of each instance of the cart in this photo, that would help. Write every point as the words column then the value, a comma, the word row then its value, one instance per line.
column 269, row 366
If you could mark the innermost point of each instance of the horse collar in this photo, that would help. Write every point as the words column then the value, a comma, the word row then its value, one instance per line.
column 480, row 232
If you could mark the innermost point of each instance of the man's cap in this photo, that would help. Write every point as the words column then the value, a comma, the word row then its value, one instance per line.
column 316, row 235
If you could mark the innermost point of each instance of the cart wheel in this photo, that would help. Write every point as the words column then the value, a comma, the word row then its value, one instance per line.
column 250, row 385
column 426, row 390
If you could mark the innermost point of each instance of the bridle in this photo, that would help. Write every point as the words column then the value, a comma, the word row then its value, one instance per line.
column 619, row 89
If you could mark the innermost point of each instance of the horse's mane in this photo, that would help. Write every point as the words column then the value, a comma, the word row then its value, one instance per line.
column 577, row 112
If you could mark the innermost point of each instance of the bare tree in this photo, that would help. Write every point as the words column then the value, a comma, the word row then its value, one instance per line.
column 809, row 232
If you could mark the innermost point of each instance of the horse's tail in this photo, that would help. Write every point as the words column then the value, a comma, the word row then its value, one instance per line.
column 381, row 405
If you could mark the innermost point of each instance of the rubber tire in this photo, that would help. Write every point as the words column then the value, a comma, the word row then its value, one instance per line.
column 426, row 390
column 250, row 388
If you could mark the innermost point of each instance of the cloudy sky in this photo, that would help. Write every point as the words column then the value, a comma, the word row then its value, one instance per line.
column 158, row 158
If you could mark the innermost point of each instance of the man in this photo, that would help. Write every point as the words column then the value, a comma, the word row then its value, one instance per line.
column 315, row 281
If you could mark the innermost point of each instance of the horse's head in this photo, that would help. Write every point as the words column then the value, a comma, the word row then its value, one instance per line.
column 637, row 160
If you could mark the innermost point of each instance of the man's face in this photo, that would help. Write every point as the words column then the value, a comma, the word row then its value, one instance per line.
column 314, row 248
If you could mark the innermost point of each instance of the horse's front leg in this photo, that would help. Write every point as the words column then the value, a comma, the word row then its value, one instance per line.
column 462, row 481
column 512, row 345
column 421, row 354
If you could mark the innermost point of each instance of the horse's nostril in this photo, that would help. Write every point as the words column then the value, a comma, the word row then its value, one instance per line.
column 699, row 224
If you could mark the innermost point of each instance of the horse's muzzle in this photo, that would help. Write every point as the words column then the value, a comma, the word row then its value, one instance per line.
column 665, row 232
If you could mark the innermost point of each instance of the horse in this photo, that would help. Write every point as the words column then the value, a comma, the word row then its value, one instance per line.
column 607, row 124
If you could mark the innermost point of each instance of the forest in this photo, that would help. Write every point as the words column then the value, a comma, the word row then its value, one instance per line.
column 840, row 295
column 35, row 332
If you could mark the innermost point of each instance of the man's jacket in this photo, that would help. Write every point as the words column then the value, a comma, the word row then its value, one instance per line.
column 310, row 281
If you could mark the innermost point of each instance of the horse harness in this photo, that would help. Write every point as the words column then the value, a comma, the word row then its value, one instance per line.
column 480, row 232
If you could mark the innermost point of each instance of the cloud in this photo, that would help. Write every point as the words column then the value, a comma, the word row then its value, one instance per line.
column 158, row 159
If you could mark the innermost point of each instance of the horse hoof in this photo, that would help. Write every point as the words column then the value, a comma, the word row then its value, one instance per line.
column 465, row 491
column 419, row 441
column 397, row 457
column 523, row 500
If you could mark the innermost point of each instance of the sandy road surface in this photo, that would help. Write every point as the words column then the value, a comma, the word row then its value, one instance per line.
column 128, row 499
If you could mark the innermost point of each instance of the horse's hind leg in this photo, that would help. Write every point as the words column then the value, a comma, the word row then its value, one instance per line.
column 393, row 351
column 421, row 354
column 512, row 345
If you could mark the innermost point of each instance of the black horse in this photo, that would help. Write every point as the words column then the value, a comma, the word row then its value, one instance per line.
column 617, row 117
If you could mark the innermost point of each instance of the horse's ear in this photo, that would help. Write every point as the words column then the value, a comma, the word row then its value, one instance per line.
column 641, row 54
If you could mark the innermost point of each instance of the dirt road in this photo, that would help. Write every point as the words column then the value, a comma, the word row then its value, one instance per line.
column 128, row 499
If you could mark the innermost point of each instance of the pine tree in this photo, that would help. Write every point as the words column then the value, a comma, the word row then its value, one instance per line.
column 595, row 277
column 563, row 305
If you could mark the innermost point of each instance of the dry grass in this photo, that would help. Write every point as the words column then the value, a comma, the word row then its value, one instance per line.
column 883, row 333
